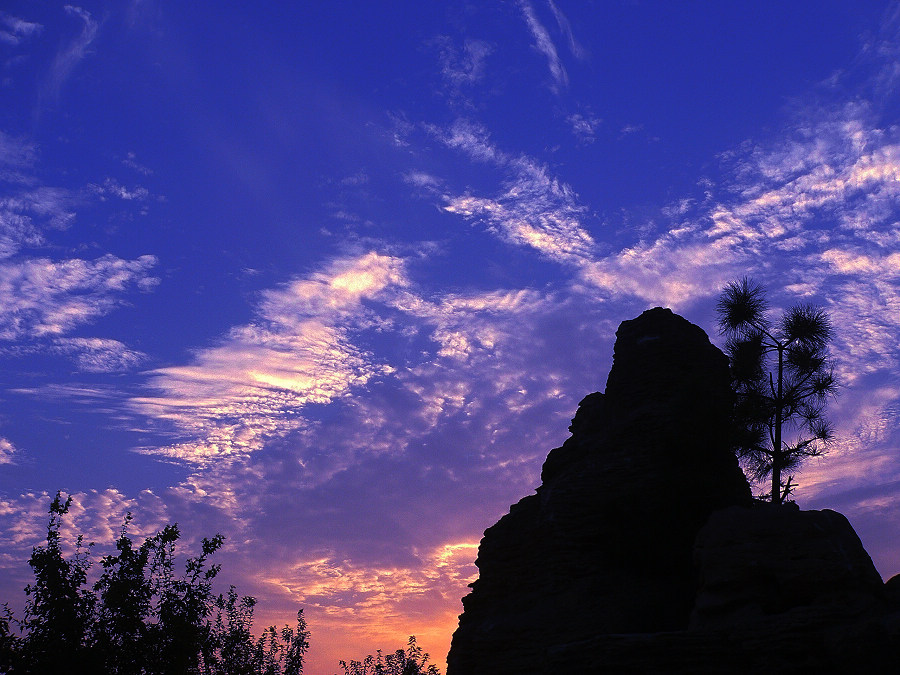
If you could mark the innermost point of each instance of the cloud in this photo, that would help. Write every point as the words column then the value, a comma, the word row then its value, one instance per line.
column 40, row 297
column 538, row 211
column 28, row 208
column 465, row 66
column 253, row 386
column 336, row 434
column 544, row 44
column 534, row 209
column 380, row 605
column 112, row 188
column 826, row 201
column 97, row 514
column 565, row 28
column 16, row 152
column 823, row 201
column 810, row 212
column 464, row 325
column 7, row 452
column 84, row 394
column 131, row 162
column 16, row 229
column 439, row 404
column 27, row 214
column 68, row 58
column 17, row 30
column 423, row 180
column 584, row 127
column 99, row 355
column 666, row 272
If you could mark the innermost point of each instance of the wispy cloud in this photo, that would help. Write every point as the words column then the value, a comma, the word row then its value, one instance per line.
column 97, row 514
column 584, row 127
column 17, row 30
column 810, row 212
column 565, row 28
column 465, row 65
column 112, row 188
column 28, row 209
column 68, row 58
column 424, row 181
column 16, row 153
column 437, row 403
column 534, row 209
column 131, row 162
column 16, row 228
column 99, row 355
column 544, row 44
column 374, row 604
column 41, row 297
column 17, row 158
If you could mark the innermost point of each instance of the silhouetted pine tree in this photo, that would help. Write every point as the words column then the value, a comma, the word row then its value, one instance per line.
column 782, row 376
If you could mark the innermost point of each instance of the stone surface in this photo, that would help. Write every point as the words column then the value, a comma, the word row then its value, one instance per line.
column 642, row 551
column 761, row 563
column 605, row 545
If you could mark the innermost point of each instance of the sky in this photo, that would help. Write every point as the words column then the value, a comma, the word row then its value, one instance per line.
column 330, row 279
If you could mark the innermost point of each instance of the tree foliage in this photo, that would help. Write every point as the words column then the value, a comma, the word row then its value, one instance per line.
column 783, row 376
column 141, row 617
column 412, row 661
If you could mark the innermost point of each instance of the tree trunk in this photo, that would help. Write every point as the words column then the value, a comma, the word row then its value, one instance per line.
column 777, row 457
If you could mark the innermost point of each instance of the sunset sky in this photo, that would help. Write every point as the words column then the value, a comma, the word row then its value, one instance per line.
column 331, row 278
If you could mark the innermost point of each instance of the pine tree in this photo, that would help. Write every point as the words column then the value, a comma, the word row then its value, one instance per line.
column 783, row 376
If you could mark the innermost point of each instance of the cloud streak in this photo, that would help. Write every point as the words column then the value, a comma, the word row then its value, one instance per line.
column 68, row 58
column 544, row 44
column 566, row 29
column 534, row 209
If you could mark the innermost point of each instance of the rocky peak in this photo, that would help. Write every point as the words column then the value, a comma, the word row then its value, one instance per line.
column 642, row 550
column 605, row 545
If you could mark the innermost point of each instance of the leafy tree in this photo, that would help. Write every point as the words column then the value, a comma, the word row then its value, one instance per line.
column 284, row 649
column 9, row 643
column 59, row 610
column 141, row 617
column 783, row 376
column 182, row 604
column 125, row 603
column 231, row 649
column 413, row 661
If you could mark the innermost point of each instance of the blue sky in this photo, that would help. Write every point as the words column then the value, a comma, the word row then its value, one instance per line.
column 332, row 280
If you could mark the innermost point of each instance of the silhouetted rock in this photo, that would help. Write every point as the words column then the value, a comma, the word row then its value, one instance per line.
column 642, row 551
column 605, row 546
column 757, row 564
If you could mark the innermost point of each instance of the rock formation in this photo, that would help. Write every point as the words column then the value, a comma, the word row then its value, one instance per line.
column 642, row 551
